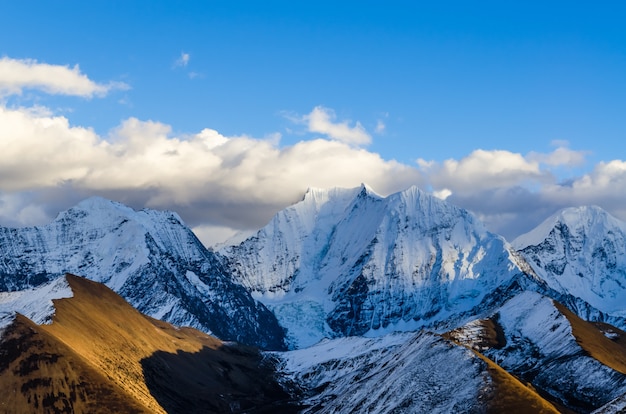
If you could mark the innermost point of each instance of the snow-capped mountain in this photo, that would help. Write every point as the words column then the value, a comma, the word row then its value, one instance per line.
column 403, row 303
column 149, row 257
column 349, row 262
column 582, row 252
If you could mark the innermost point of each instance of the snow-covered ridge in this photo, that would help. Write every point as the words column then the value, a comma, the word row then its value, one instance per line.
column 395, row 373
column 35, row 303
column 540, row 345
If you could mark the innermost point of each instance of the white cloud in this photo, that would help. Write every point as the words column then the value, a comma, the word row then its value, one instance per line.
column 443, row 193
column 380, row 127
column 183, row 60
column 213, row 235
column 321, row 120
column 17, row 209
column 221, row 184
column 482, row 170
column 561, row 156
column 606, row 183
column 19, row 74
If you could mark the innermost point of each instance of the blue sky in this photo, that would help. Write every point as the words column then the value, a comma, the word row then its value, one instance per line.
column 407, row 92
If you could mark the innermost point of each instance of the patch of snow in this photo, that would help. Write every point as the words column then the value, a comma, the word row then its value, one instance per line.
column 36, row 304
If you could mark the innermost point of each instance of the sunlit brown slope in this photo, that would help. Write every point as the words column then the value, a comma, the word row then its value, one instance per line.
column 39, row 374
column 150, row 364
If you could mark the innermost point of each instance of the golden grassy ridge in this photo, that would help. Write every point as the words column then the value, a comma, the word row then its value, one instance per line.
column 101, row 352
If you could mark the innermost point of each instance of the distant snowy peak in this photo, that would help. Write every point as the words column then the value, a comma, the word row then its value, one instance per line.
column 97, row 214
column 589, row 221
column 582, row 252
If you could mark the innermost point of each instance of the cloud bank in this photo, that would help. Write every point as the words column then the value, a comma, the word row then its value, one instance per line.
column 220, row 184
column 239, row 182
column 227, row 181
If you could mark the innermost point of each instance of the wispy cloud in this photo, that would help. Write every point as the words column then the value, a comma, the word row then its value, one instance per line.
column 323, row 121
column 19, row 74
column 380, row 127
column 183, row 60
column 562, row 156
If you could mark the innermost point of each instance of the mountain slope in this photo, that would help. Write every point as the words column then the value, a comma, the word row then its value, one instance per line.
column 405, row 373
column 350, row 262
column 40, row 374
column 582, row 252
column 139, row 363
column 544, row 343
column 149, row 257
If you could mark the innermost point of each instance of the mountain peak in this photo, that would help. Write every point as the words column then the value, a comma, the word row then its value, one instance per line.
column 580, row 251
column 149, row 256
column 341, row 252
column 590, row 220
column 324, row 194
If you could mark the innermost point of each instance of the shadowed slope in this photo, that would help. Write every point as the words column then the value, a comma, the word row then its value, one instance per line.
column 143, row 361
column 239, row 381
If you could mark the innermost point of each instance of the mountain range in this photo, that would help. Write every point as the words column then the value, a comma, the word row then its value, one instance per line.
column 149, row 257
column 360, row 303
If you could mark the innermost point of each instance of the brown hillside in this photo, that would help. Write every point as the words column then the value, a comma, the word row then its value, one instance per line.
column 159, row 367
column 38, row 374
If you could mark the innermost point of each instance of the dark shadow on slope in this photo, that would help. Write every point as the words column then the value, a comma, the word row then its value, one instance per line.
column 231, row 379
